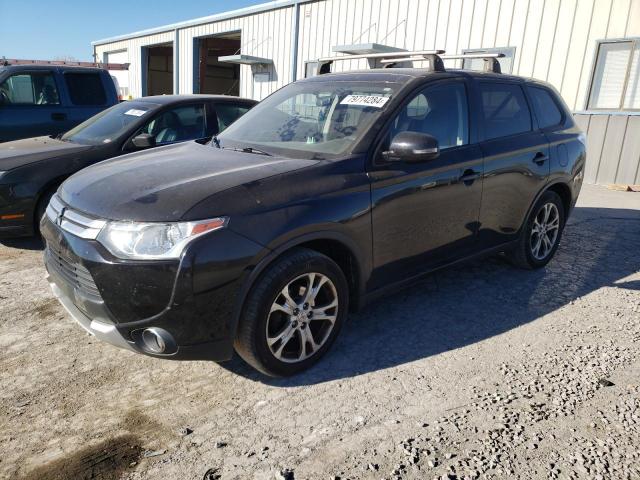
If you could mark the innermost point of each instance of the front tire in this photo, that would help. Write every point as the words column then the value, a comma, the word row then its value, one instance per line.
column 293, row 313
column 41, row 209
column 541, row 233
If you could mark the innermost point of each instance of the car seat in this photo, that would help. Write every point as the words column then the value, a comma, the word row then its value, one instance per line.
column 169, row 128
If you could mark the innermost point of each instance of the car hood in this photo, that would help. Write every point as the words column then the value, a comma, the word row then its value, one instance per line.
column 162, row 184
column 30, row 150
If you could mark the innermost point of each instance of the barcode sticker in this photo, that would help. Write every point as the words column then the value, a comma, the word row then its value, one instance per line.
column 135, row 112
column 365, row 100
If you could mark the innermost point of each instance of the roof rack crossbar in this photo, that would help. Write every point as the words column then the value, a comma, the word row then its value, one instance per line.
column 491, row 63
column 434, row 57
column 324, row 63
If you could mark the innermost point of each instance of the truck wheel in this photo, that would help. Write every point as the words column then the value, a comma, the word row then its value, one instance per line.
column 541, row 234
column 293, row 313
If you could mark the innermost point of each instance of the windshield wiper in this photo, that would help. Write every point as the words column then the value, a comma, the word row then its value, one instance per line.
column 248, row 150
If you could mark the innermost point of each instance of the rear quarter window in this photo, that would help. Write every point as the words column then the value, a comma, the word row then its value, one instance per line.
column 228, row 113
column 504, row 109
column 85, row 88
column 545, row 106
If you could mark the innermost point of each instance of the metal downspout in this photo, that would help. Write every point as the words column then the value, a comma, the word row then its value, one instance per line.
column 294, row 41
column 176, row 61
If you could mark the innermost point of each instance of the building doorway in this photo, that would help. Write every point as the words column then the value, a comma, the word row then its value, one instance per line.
column 212, row 76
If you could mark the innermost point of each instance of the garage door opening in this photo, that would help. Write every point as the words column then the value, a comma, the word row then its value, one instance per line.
column 212, row 76
column 159, row 72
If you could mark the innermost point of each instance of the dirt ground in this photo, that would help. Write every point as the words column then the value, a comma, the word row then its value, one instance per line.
column 482, row 371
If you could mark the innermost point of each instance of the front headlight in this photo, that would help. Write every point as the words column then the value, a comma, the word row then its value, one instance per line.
column 154, row 241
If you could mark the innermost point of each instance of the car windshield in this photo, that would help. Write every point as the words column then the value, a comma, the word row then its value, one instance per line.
column 317, row 119
column 109, row 124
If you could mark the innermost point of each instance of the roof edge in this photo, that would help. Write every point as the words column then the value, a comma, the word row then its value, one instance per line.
column 240, row 12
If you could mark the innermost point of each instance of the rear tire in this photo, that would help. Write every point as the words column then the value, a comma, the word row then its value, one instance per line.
column 293, row 313
column 541, row 233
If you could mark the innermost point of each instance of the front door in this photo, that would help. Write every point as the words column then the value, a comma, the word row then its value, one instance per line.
column 426, row 214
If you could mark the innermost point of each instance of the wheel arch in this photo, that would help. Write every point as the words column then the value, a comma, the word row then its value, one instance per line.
column 51, row 185
column 562, row 189
column 337, row 246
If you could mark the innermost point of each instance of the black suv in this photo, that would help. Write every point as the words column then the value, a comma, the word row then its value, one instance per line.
column 328, row 193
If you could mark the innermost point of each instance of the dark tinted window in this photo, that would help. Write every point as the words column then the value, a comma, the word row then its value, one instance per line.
column 545, row 107
column 440, row 111
column 228, row 113
column 85, row 88
column 505, row 110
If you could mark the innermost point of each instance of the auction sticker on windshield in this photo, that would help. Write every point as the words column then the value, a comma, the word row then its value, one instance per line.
column 365, row 100
column 135, row 112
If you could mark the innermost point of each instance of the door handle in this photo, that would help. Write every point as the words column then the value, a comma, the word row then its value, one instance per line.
column 469, row 176
column 540, row 158
column 58, row 116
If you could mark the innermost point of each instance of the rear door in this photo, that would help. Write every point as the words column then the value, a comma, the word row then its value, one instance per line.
column 31, row 105
column 516, row 160
column 225, row 113
column 87, row 95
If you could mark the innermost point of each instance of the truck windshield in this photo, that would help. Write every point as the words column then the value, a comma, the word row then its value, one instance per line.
column 110, row 124
column 315, row 119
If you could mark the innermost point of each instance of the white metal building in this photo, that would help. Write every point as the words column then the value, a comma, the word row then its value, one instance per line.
column 588, row 49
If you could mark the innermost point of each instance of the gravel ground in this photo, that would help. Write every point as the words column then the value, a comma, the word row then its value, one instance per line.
column 482, row 371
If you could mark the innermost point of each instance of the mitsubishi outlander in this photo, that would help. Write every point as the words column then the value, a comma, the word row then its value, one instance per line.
column 330, row 192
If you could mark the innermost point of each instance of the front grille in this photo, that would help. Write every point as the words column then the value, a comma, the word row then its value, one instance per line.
column 72, row 221
column 72, row 272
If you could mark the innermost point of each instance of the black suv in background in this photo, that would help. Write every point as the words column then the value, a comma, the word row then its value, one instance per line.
column 32, row 169
column 328, row 193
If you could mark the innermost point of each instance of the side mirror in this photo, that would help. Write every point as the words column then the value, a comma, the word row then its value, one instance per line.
column 144, row 140
column 412, row 147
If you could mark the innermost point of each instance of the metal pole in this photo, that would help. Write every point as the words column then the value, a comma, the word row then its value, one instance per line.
column 294, row 42
column 176, row 61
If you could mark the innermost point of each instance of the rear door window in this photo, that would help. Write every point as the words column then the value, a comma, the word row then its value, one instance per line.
column 546, row 108
column 228, row 113
column 177, row 124
column 505, row 110
column 37, row 88
column 85, row 88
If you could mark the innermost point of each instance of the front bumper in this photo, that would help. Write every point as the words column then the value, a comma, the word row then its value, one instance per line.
column 192, row 302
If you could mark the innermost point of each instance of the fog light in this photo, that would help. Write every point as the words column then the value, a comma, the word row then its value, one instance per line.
column 153, row 341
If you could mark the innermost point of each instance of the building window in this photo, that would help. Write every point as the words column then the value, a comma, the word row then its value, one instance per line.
column 506, row 62
column 615, row 83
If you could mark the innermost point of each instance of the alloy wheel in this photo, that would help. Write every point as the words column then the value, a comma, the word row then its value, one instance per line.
column 302, row 317
column 544, row 232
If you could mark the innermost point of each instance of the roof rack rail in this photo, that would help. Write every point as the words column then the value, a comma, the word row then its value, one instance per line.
column 491, row 63
column 387, row 59
column 5, row 62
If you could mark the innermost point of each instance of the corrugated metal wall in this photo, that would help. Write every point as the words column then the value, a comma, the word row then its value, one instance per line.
column 266, row 35
column 134, row 48
column 613, row 146
column 555, row 40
